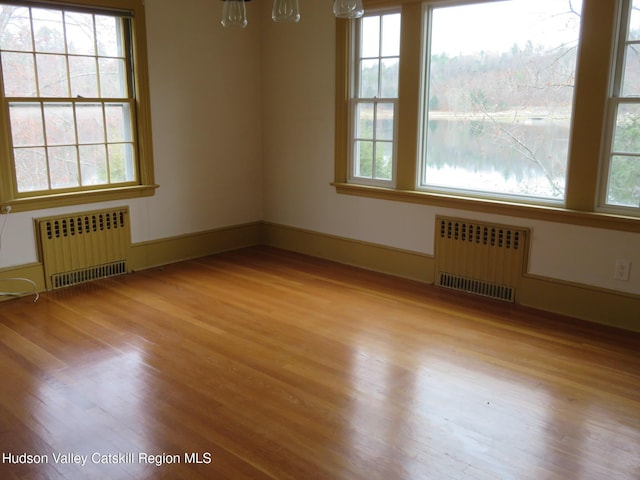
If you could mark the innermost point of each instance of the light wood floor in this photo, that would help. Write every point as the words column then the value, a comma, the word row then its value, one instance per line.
column 280, row 366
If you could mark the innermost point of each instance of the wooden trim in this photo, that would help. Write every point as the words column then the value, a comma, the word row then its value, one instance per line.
column 30, row 271
column 522, row 210
column 394, row 261
column 78, row 198
column 590, row 99
column 194, row 245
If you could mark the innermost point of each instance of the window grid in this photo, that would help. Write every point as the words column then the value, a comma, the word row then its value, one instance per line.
column 50, row 164
column 621, row 164
column 375, row 99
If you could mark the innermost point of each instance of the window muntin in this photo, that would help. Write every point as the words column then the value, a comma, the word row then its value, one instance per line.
column 622, row 162
column 499, row 98
column 374, row 103
column 68, row 91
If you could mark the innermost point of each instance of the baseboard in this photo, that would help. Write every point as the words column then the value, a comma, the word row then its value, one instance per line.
column 393, row 261
column 571, row 299
column 620, row 310
column 11, row 280
column 599, row 305
column 185, row 247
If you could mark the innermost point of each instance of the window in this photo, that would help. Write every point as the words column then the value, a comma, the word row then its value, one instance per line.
column 501, row 107
column 622, row 162
column 73, row 103
column 499, row 96
column 375, row 99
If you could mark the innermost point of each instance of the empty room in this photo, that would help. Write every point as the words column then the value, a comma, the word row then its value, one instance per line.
column 320, row 239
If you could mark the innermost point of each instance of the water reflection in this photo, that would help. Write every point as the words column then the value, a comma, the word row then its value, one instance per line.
column 508, row 155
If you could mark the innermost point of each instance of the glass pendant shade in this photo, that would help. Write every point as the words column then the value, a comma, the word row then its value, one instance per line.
column 285, row 11
column 348, row 8
column 234, row 13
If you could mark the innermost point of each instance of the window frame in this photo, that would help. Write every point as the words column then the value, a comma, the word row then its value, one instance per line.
column 355, row 100
column 144, row 184
column 614, row 101
column 595, row 50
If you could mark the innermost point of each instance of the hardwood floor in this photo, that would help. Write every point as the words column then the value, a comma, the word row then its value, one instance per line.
column 264, row 364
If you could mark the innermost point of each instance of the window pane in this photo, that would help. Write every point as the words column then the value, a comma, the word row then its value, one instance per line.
column 121, row 166
column 112, row 78
column 364, row 122
column 93, row 165
column 109, row 36
column 627, row 130
column 500, row 97
column 31, row 169
column 63, row 166
column 363, row 164
column 84, row 77
column 80, row 33
column 391, row 35
column 16, row 32
column 389, row 78
column 370, row 41
column 624, row 181
column 19, row 74
column 48, row 30
column 90, row 123
column 53, row 77
column 631, row 75
column 634, row 25
column 384, row 160
column 369, row 70
column 59, row 124
column 26, row 124
column 118, row 123
column 384, row 121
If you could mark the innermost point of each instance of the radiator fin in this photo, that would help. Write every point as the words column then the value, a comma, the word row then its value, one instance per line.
column 478, row 287
column 480, row 258
column 82, row 247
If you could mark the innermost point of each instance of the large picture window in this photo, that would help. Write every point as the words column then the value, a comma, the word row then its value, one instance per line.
column 499, row 97
column 68, row 90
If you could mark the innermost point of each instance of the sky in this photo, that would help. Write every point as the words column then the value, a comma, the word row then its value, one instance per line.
column 496, row 26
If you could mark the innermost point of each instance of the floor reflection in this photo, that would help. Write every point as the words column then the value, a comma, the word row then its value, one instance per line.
column 95, row 413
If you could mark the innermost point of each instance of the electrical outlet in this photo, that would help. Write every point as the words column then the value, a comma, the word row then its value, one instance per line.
column 623, row 270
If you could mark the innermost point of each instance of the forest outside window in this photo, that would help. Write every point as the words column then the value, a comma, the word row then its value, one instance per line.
column 499, row 97
column 71, row 103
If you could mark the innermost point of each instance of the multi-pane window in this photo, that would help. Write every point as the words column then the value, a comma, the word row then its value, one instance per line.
column 375, row 99
column 499, row 97
column 67, row 85
column 622, row 163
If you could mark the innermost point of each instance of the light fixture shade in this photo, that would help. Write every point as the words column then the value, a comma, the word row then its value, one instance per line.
column 234, row 13
column 348, row 8
column 285, row 11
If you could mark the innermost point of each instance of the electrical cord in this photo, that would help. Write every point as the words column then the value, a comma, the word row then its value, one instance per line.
column 17, row 279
